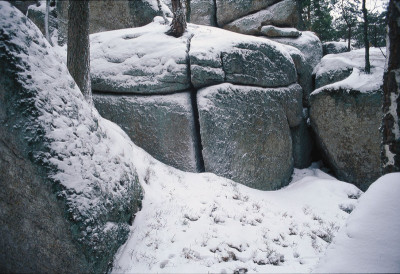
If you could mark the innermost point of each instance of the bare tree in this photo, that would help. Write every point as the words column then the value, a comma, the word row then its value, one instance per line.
column 78, row 50
column 391, row 94
column 178, row 25
column 366, row 41
column 46, row 21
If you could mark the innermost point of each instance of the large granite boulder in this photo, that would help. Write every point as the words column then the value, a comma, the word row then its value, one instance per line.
column 337, row 67
column 230, row 10
column 202, row 12
column 218, row 56
column 346, row 123
column 133, row 61
column 108, row 15
column 282, row 14
column 308, row 43
column 68, row 194
column 334, row 47
column 164, row 126
column 245, row 133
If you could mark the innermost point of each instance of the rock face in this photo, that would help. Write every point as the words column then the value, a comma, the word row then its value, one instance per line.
column 302, row 144
column 202, row 12
column 128, row 61
column 217, row 56
column 347, row 124
column 120, row 14
column 334, row 47
column 68, row 194
column 282, row 14
column 245, row 134
column 308, row 43
column 161, row 125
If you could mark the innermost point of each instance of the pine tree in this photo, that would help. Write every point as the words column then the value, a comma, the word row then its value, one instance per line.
column 78, row 49
column 366, row 40
column 178, row 25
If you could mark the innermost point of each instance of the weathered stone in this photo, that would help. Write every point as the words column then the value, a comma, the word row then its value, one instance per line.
column 304, row 72
column 334, row 47
column 37, row 16
column 119, row 14
column 272, row 31
column 202, row 12
column 308, row 43
column 161, row 125
column 230, row 10
column 127, row 61
column 245, row 134
column 67, row 196
column 282, row 14
column 346, row 123
column 218, row 56
column 332, row 76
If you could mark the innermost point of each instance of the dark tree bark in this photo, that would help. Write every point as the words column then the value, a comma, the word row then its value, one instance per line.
column 366, row 41
column 78, row 50
column 178, row 25
column 391, row 88
column 46, row 21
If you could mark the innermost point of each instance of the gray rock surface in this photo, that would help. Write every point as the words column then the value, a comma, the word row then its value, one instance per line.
column 230, row 10
column 272, row 31
column 128, row 61
column 302, row 143
column 334, row 47
column 346, row 123
column 245, row 134
column 332, row 76
column 218, row 56
column 67, row 195
column 22, row 5
column 119, row 14
column 282, row 14
column 161, row 125
column 202, row 12
column 308, row 43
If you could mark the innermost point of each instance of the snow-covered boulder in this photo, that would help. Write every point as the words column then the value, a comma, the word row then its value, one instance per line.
column 112, row 15
column 218, row 56
column 140, row 60
column 230, row 10
column 68, row 185
column 369, row 241
column 281, row 14
column 162, row 125
column 272, row 31
column 308, row 43
column 336, row 67
column 22, row 5
column 334, row 47
column 346, row 117
column 245, row 133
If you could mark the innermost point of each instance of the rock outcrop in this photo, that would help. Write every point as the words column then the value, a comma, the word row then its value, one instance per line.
column 245, row 133
column 334, row 47
column 67, row 193
column 164, row 125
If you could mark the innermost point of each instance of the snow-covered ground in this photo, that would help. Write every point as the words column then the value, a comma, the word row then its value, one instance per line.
column 199, row 223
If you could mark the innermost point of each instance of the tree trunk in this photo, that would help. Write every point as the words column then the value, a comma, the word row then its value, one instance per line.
column 78, row 50
column 349, row 38
column 46, row 21
column 391, row 88
column 366, row 41
column 178, row 25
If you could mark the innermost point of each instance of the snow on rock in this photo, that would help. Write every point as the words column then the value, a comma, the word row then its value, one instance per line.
column 282, row 14
column 245, row 133
column 345, row 70
column 369, row 241
column 85, row 159
column 200, row 223
column 334, row 47
column 308, row 43
column 218, row 56
column 272, row 31
column 139, row 60
column 162, row 125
